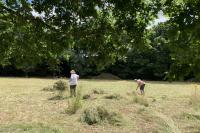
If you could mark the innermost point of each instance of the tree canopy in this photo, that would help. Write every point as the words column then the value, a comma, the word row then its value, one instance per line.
column 98, row 33
column 101, row 28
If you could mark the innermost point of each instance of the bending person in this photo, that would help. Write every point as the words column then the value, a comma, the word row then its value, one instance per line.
column 141, row 85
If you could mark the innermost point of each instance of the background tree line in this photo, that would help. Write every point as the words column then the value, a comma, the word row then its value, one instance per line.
column 150, row 61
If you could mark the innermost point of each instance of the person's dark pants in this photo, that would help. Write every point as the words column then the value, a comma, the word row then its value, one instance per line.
column 73, row 90
column 142, row 89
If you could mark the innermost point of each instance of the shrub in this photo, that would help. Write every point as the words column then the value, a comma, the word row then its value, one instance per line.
column 141, row 100
column 60, row 85
column 75, row 104
column 98, row 91
column 100, row 114
column 113, row 96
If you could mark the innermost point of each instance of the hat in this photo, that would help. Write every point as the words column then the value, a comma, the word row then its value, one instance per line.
column 72, row 71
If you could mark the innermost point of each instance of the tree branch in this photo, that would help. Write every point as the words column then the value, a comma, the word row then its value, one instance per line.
column 28, row 17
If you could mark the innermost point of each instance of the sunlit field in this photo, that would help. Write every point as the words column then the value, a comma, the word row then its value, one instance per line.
column 166, row 107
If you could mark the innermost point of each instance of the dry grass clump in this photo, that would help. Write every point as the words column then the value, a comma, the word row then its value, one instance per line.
column 60, row 86
column 141, row 110
column 194, row 99
column 153, row 100
column 164, row 97
column 192, row 128
column 92, row 94
column 48, row 88
column 86, row 96
column 114, row 96
column 56, row 98
column 141, row 100
column 98, row 91
column 190, row 116
column 97, row 115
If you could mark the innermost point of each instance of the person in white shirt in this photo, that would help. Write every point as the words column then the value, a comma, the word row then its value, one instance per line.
column 73, row 81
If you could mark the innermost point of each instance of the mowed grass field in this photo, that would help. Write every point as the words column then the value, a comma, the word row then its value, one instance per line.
column 169, row 107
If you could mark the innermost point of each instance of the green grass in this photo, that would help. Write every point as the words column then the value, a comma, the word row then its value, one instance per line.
column 75, row 104
column 25, row 108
